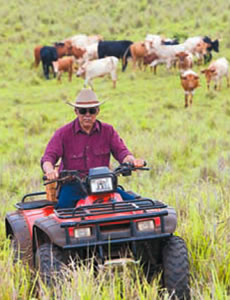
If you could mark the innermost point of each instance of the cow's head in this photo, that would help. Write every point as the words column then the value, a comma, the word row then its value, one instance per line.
column 181, row 56
column 81, row 71
column 190, row 81
column 209, row 74
column 202, row 47
column 68, row 47
column 55, row 66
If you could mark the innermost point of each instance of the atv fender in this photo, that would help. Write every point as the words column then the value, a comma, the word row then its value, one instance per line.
column 170, row 221
column 48, row 230
column 17, row 229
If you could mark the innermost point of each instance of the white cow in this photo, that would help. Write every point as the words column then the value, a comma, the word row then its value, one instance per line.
column 99, row 68
column 82, row 40
column 216, row 71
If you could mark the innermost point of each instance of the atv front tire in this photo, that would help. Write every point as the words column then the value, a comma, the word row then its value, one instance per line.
column 176, row 268
column 48, row 261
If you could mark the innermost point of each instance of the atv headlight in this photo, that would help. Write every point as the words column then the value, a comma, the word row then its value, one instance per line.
column 101, row 185
column 145, row 225
column 82, row 232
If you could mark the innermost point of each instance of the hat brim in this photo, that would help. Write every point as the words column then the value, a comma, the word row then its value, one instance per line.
column 85, row 105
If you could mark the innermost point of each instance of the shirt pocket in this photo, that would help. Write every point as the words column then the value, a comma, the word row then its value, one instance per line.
column 77, row 161
column 101, row 156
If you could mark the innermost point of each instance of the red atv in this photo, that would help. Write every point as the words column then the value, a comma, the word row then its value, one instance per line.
column 103, row 226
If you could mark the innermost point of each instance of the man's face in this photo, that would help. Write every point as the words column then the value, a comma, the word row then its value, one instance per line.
column 87, row 117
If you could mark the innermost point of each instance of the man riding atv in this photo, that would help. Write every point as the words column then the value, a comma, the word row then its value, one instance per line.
column 83, row 144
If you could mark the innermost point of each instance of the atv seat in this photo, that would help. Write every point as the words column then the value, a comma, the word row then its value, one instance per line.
column 35, row 204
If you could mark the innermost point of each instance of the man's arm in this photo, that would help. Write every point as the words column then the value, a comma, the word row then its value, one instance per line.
column 137, row 162
column 50, row 171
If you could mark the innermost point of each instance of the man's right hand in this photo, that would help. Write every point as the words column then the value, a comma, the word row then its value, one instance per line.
column 50, row 172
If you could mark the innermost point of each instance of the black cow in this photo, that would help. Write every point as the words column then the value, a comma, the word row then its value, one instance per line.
column 119, row 49
column 48, row 54
column 169, row 42
column 214, row 46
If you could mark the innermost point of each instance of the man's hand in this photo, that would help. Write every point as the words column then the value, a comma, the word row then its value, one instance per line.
column 50, row 172
column 138, row 163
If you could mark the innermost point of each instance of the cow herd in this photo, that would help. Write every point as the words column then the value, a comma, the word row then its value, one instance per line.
column 91, row 57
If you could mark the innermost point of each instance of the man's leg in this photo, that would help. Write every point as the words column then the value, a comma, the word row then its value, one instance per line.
column 70, row 194
column 124, row 194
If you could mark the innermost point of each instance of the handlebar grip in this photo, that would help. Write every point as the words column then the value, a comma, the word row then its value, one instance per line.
column 44, row 178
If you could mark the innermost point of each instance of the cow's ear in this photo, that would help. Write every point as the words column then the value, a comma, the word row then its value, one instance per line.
column 182, row 77
column 196, row 77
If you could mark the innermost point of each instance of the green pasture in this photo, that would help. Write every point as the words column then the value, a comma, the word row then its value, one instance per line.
column 188, row 150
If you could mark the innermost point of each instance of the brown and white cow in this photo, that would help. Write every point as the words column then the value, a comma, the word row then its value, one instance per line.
column 148, row 59
column 185, row 61
column 216, row 71
column 78, row 52
column 99, row 68
column 65, row 64
column 189, row 82
column 138, row 51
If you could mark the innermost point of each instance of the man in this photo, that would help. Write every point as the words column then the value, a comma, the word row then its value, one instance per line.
column 83, row 144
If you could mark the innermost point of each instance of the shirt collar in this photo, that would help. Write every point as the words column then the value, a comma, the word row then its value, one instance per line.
column 77, row 126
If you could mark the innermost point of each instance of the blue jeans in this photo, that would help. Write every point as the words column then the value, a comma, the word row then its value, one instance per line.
column 71, row 193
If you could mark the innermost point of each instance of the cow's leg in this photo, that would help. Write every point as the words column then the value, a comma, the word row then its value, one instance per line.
column 59, row 76
column 216, row 85
column 124, row 64
column 47, row 71
column 191, row 96
column 54, row 73
column 134, row 63
column 70, row 74
column 186, row 99
column 227, row 78
column 114, row 78
column 90, row 83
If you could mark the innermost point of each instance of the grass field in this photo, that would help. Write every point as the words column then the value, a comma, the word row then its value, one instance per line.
column 188, row 150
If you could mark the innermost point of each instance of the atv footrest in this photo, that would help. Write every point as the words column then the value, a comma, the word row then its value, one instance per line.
column 34, row 204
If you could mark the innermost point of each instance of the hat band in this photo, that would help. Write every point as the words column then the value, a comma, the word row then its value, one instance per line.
column 88, row 102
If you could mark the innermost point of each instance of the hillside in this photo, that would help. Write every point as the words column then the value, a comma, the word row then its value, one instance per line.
column 188, row 150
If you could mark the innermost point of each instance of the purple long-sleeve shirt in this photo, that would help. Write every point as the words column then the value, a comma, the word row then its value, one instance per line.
column 81, row 151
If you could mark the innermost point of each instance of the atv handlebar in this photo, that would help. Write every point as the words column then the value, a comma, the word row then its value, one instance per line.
column 124, row 169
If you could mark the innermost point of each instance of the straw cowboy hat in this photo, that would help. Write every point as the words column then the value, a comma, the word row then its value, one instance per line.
column 86, row 98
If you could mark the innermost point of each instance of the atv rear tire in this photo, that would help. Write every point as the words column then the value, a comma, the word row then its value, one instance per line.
column 176, row 268
column 48, row 261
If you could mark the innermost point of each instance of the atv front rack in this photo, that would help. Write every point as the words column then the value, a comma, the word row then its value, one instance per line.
column 142, row 204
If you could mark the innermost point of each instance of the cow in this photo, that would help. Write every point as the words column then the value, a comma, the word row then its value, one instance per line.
column 64, row 64
column 189, row 82
column 98, row 68
column 198, row 46
column 216, row 71
column 78, row 52
column 37, row 49
column 138, row 51
column 118, row 49
column 214, row 45
column 185, row 61
column 150, row 58
column 49, row 54
column 37, row 57
column 82, row 40
column 167, row 53
column 91, row 52
column 169, row 42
